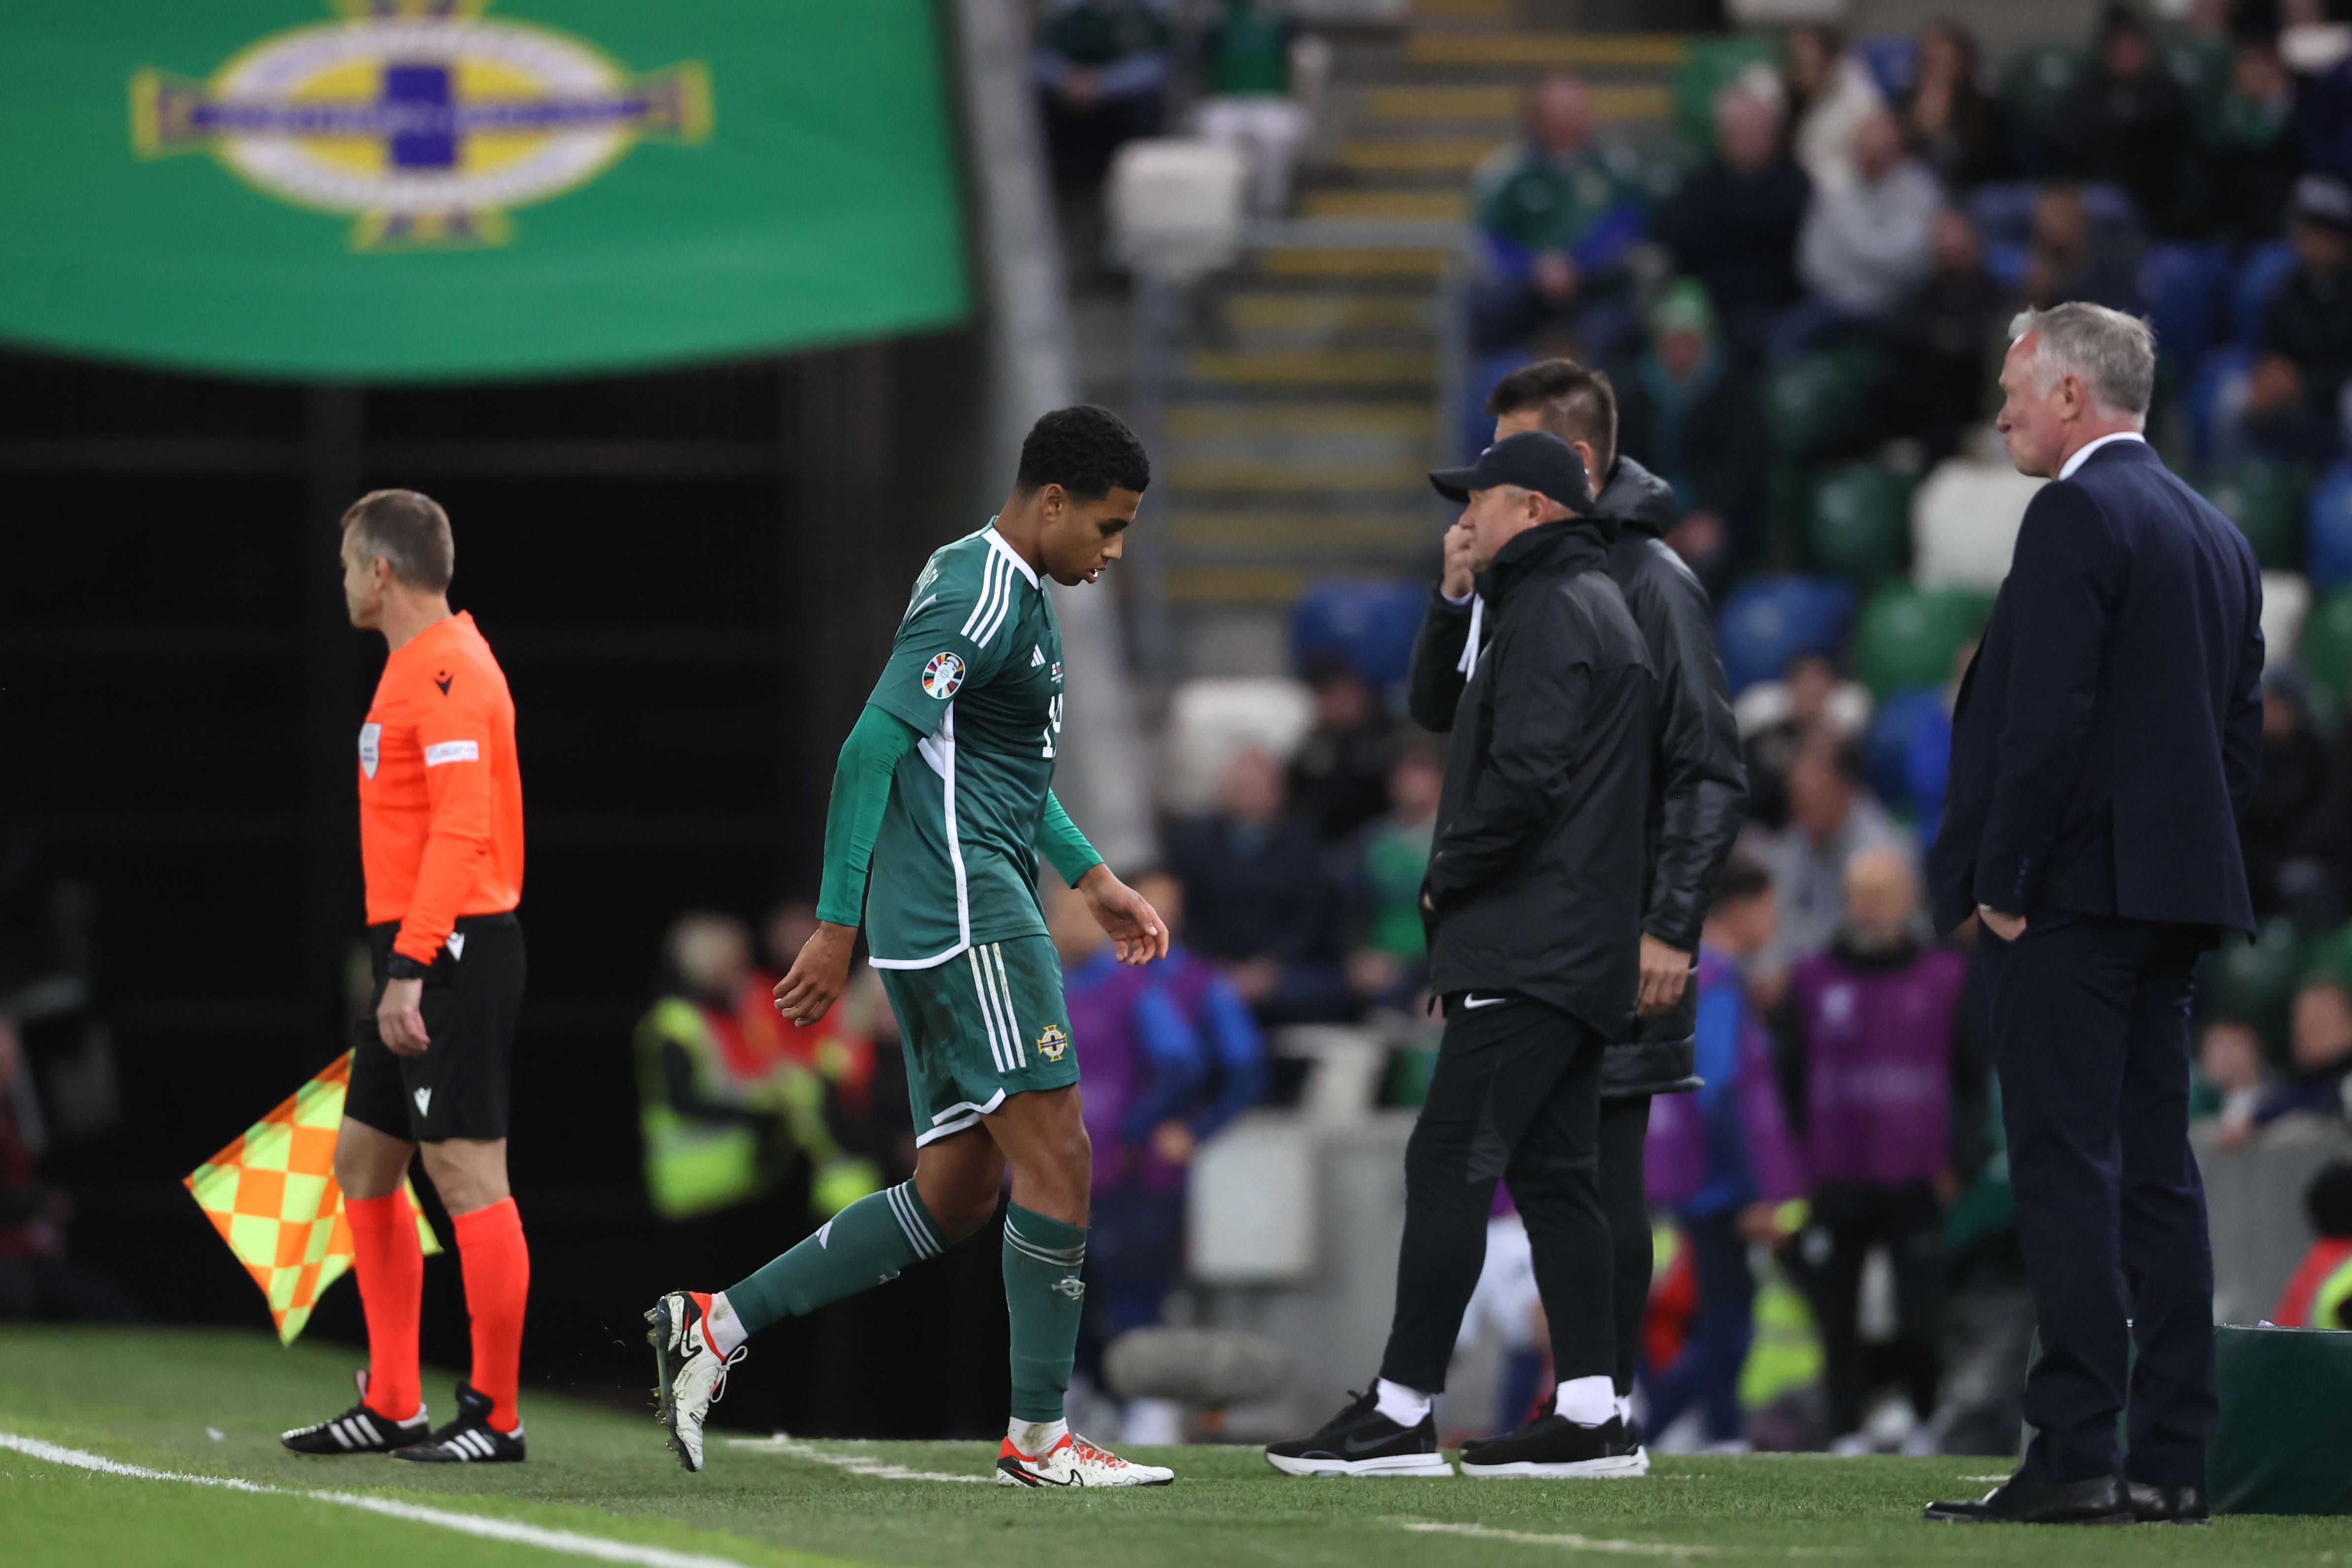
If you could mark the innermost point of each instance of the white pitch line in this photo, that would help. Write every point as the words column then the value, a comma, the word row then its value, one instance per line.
column 490, row 1527
column 1621, row 1548
column 856, row 1464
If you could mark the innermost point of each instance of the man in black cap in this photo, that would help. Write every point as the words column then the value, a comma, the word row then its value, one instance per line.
column 1534, row 903
column 2304, row 355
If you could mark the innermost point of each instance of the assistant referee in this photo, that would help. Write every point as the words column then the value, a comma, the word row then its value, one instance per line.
column 441, row 843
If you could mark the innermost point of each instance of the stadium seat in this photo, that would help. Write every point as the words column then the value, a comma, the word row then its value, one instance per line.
column 2254, row 982
column 1892, row 61
column 2265, row 499
column 2327, row 531
column 1858, row 525
column 1770, row 621
column 1176, row 204
column 2259, row 277
column 1814, row 401
column 1964, row 523
column 1710, row 66
column 1207, row 721
column 1369, row 621
column 2183, row 285
column 1893, row 731
column 2329, row 955
column 2216, row 403
column 2326, row 646
column 1910, row 637
column 2286, row 604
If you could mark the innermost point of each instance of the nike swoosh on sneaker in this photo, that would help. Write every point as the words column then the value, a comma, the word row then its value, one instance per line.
column 1471, row 1001
column 1352, row 1446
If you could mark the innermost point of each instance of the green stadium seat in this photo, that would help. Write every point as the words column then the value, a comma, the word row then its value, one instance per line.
column 1910, row 637
column 1711, row 66
column 1814, row 401
column 2254, row 982
column 2330, row 958
column 2328, row 646
column 1858, row 523
column 2265, row 499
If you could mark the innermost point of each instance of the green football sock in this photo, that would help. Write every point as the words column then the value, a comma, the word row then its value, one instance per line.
column 864, row 1245
column 1044, row 1296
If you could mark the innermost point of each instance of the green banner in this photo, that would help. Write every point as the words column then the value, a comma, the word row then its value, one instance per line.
column 431, row 189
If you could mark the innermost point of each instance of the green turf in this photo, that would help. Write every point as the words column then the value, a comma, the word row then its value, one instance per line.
column 147, row 1399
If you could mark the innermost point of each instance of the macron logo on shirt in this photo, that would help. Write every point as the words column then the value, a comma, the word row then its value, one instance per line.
column 452, row 752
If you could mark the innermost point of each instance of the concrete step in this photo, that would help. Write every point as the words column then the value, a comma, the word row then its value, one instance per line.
column 1500, row 104
column 1445, row 206
column 1359, row 266
column 1326, row 314
column 1216, row 421
column 1315, row 366
column 1221, row 586
column 1546, row 50
column 1274, row 532
column 1451, row 156
column 1283, row 476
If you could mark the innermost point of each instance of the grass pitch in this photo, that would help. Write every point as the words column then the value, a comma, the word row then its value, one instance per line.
column 185, row 1408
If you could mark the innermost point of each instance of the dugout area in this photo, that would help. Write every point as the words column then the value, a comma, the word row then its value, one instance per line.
column 600, row 1487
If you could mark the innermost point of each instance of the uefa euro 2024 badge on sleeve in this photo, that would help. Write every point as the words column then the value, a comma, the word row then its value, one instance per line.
column 942, row 675
column 370, row 740
column 424, row 118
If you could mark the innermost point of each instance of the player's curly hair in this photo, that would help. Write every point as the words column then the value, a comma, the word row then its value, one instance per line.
column 1088, row 451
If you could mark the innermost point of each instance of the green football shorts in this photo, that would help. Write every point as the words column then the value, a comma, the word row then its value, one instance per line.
column 987, row 1023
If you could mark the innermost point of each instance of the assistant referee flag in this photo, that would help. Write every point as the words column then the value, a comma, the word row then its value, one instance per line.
column 271, row 1194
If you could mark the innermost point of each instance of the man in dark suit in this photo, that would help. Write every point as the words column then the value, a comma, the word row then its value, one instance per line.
column 2106, row 741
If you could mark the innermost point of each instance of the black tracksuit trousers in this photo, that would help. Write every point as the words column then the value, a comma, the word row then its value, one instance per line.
column 1515, row 1094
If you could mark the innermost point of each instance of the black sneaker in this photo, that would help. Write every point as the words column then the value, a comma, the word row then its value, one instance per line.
column 1361, row 1441
column 1552, row 1445
column 470, row 1440
column 358, row 1430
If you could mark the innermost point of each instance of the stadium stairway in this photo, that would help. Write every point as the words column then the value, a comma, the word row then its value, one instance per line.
column 1302, row 415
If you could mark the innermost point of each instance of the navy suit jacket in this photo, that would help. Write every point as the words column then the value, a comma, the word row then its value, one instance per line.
column 2109, row 730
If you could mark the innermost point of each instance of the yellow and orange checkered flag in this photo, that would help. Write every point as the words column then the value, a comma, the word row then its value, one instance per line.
column 271, row 1194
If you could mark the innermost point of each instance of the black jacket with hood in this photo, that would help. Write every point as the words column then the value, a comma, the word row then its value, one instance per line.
column 1698, row 787
column 1535, row 871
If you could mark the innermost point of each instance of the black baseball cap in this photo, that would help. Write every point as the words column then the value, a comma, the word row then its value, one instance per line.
column 1533, row 460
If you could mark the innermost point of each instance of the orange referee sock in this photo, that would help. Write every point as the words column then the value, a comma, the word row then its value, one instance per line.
column 391, row 1267
column 497, row 1283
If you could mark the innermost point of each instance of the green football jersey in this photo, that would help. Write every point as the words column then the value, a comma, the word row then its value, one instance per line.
column 977, row 669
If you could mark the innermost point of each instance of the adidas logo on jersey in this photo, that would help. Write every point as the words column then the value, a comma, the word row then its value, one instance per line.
column 1037, row 657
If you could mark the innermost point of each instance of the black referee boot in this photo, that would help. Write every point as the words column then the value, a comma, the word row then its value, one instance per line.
column 470, row 1440
column 1553, row 1446
column 1361, row 1441
column 358, row 1430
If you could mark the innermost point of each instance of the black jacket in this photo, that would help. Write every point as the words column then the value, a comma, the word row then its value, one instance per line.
column 2108, row 733
column 1535, row 873
column 1698, row 785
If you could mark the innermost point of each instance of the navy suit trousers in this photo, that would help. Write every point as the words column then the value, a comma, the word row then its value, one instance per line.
column 2091, row 1035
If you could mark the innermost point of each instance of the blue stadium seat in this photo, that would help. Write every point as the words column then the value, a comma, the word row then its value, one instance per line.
column 1770, row 621
column 2327, row 532
column 1369, row 621
column 2217, row 379
column 2183, row 285
column 1475, row 426
column 2259, row 277
column 1892, row 61
column 1886, row 745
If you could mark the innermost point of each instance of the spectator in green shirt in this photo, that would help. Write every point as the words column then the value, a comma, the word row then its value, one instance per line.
column 1560, row 211
column 1248, row 57
column 1390, row 960
column 1102, row 67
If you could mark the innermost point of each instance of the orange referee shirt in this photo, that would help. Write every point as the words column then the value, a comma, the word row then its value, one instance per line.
column 440, row 791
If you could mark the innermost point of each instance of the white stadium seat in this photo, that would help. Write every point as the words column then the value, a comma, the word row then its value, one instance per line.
column 1964, row 523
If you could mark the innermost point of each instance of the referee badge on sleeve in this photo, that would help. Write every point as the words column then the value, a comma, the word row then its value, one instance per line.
column 942, row 675
column 370, row 737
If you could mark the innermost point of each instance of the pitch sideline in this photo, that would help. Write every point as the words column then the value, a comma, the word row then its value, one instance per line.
column 490, row 1527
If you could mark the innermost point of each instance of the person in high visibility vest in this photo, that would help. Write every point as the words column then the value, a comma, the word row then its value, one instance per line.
column 2320, row 1294
column 722, row 1121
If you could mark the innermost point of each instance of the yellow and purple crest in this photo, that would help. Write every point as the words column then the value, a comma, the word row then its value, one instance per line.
column 425, row 120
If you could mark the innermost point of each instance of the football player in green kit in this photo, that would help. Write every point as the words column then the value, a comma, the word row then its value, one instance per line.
column 944, row 791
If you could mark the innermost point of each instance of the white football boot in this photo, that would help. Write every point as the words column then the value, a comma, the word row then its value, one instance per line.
column 688, row 1374
column 1074, row 1462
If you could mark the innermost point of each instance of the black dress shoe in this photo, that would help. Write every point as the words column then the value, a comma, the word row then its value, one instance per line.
column 2021, row 1500
column 2169, row 1505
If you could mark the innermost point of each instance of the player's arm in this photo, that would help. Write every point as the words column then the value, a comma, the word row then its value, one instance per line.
column 853, row 820
column 455, row 736
column 1138, row 934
